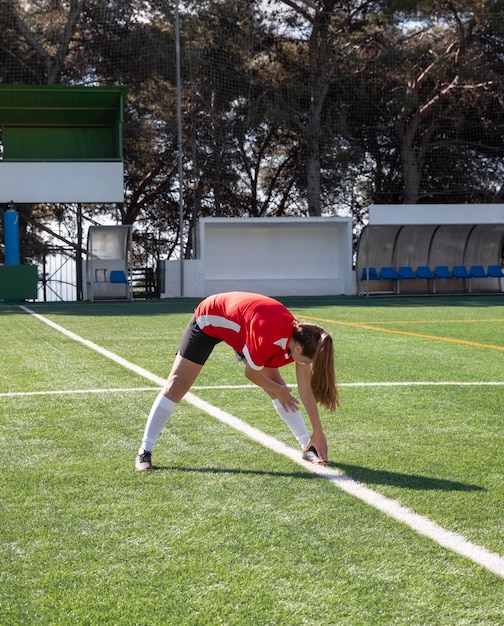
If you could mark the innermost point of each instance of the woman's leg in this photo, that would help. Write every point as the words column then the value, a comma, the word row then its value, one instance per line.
column 293, row 419
column 196, row 347
column 180, row 380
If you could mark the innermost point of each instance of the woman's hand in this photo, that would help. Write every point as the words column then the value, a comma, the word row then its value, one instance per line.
column 286, row 399
column 273, row 384
column 318, row 441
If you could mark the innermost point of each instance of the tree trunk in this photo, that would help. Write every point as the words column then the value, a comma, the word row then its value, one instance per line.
column 411, row 172
column 54, row 64
column 313, row 171
column 322, row 64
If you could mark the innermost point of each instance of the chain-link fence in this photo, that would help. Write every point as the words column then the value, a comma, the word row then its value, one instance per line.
column 278, row 108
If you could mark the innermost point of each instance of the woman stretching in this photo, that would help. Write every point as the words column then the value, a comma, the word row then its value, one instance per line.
column 266, row 336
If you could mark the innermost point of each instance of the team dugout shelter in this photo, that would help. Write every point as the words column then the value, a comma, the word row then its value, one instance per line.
column 276, row 256
column 58, row 144
column 61, row 144
column 432, row 249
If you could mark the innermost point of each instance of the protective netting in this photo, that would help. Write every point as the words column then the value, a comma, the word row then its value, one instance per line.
column 286, row 108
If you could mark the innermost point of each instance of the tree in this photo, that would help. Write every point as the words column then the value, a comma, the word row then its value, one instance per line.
column 307, row 107
column 328, row 27
column 46, row 30
column 438, row 82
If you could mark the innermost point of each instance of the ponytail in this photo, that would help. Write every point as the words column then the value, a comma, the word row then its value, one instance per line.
column 318, row 346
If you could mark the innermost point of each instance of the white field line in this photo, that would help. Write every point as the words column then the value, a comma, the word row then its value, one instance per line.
column 424, row 383
column 71, row 392
column 422, row 525
column 62, row 392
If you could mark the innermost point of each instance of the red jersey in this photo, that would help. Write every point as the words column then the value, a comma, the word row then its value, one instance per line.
column 254, row 325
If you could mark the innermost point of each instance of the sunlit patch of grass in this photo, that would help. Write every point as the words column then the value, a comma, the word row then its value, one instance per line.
column 225, row 531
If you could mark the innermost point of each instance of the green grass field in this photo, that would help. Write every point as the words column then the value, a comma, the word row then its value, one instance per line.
column 227, row 531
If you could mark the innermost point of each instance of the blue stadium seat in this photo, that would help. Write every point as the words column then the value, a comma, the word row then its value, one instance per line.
column 388, row 273
column 424, row 271
column 371, row 275
column 495, row 271
column 406, row 272
column 442, row 271
column 460, row 271
column 118, row 276
column 478, row 271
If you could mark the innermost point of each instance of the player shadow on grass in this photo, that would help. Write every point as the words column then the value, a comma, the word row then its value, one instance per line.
column 225, row 470
column 370, row 476
column 360, row 474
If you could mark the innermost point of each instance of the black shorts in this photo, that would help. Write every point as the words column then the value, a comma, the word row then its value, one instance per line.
column 196, row 345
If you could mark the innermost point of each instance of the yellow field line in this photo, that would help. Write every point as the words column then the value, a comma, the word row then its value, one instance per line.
column 438, row 321
column 409, row 334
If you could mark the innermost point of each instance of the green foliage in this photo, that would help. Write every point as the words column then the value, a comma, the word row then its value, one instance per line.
column 287, row 108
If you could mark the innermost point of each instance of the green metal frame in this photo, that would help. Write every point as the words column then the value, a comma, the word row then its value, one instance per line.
column 61, row 123
column 18, row 282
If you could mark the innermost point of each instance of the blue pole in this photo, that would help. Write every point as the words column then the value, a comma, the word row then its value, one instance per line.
column 11, row 236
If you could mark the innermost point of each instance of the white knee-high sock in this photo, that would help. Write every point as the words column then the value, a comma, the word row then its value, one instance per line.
column 295, row 422
column 160, row 413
